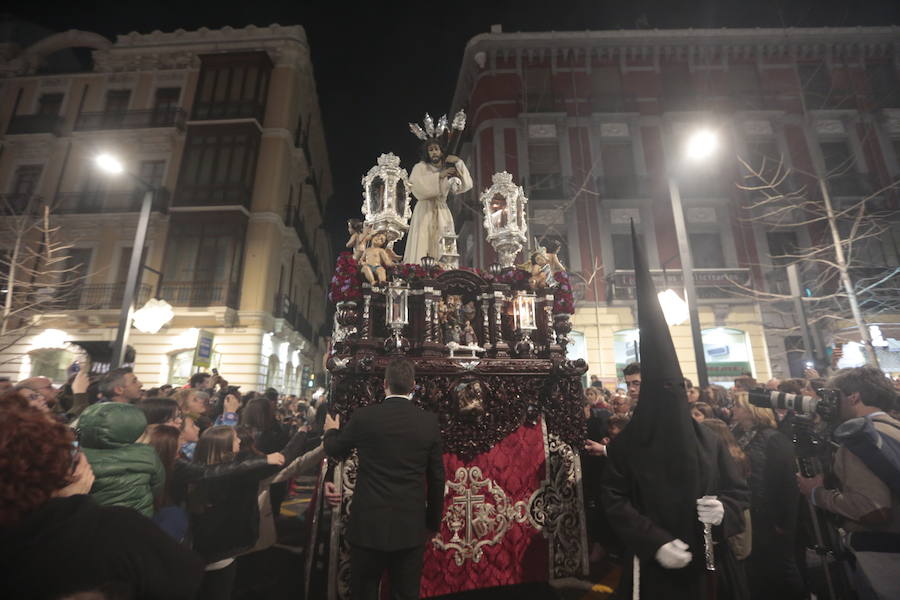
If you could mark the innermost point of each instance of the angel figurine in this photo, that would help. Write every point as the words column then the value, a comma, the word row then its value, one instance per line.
column 359, row 236
column 377, row 258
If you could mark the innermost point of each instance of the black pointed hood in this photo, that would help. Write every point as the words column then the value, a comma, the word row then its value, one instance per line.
column 660, row 442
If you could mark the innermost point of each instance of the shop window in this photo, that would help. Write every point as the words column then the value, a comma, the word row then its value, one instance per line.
column 727, row 354
column 626, row 348
column 181, row 365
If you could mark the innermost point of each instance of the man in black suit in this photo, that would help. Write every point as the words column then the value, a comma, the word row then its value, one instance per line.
column 399, row 495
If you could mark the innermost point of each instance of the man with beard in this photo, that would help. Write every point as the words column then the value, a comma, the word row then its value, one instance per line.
column 431, row 180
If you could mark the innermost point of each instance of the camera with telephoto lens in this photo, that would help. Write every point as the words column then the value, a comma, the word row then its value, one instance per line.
column 826, row 405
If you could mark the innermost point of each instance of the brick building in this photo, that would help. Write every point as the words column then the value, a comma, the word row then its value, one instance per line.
column 591, row 123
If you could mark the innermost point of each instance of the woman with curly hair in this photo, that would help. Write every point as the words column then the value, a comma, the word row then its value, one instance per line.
column 46, row 513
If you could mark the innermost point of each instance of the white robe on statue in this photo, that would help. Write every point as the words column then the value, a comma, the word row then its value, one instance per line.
column 431, row 217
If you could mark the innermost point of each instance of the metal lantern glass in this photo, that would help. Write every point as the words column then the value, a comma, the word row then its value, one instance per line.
column 386, row 198
column 396, row 305
column 505, row 220
column 523, row 312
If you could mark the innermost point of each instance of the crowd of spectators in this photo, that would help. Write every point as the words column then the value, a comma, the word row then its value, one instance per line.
column 775, row 550
column 158, row 493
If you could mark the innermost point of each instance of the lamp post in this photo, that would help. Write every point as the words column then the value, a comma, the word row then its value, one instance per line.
column 701, row 145
column 113, row 166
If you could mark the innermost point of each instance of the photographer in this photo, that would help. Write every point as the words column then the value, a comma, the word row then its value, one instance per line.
column 871, row 511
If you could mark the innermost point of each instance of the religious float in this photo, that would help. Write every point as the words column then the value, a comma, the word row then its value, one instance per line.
column 489, row 349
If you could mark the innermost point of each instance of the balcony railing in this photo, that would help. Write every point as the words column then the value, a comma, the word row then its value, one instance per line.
column 131, row 119
column 709, row 283
column 293, row 219
column 249, row 109
column 105, row 202
column 290, row 312
column 850, row 184
column 220, row 194
column 15, row 204
column 614, row 103
column 199, row 293
column 21, row 124
column 541, row 102
column 547, row 186
column 623, row 186
column 99, row 296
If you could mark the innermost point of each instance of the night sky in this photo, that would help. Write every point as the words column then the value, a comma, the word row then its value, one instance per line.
column 381, row 65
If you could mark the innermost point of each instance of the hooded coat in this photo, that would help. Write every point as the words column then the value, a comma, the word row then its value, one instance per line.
column 126, row 473
column 661, row 464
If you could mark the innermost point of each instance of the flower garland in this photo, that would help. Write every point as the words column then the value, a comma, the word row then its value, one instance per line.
column 563, row 299
column 345, row 283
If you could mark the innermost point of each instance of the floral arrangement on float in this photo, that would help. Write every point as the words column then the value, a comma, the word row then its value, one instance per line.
column 346, row 286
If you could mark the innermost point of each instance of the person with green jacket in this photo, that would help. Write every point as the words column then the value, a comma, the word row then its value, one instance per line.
column 127, row 473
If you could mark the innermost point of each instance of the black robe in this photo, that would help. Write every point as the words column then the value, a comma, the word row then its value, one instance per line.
column 621, row 497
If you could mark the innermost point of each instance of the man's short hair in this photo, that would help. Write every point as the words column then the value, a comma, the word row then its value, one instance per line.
column 198, row 378
column 873, row 387
column 400, row 376
column 792, row 386
column 112, row 380
column 632, row 369
column 745, row 382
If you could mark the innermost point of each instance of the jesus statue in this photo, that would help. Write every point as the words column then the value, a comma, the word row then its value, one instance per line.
column 432, row 179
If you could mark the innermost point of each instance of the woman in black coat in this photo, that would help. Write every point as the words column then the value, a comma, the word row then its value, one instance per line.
column 774, row 497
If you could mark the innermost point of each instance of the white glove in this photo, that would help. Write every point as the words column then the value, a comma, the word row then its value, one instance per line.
column 673, row 555
column 710, row 510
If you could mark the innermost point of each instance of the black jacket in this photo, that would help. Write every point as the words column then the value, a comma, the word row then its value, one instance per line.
column 74, row 544
column 622, row 500
column 400, row 459
column 185, row 473
column 224, row 511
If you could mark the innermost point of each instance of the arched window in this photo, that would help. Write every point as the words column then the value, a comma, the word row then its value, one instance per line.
column 181, row 365
column 626, row 348
column 52, row 363
column 728, row 354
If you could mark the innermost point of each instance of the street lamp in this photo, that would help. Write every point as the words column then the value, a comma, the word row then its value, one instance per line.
column 701, row 145
column 111, row 165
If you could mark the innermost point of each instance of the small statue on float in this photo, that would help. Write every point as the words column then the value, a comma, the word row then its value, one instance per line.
column 377, row 258
column 360, row 233
column 470, row 400
column 449, row 318
column 544, row 264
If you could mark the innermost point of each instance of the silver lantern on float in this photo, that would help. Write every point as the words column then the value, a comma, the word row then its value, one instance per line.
column 386, row 198
column 505, row 217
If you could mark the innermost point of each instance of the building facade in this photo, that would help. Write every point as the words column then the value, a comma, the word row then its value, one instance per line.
column 225, row 126
column 592, row 124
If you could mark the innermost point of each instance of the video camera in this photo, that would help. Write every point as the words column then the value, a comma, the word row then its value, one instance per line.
column 826, row 405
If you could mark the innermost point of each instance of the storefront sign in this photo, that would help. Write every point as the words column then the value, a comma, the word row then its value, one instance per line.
column 203, row 353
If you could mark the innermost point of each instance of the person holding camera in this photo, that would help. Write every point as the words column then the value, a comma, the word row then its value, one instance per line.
column 867, row 501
